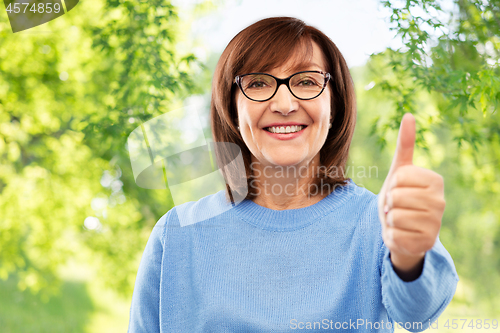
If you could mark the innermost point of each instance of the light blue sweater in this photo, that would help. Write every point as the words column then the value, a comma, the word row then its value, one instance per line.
column 252, row 269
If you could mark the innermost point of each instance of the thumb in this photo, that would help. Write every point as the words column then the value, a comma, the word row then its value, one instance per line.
column 402, row 156
column 405, row 143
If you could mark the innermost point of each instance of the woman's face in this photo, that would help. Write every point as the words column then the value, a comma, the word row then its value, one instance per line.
column 298, row 149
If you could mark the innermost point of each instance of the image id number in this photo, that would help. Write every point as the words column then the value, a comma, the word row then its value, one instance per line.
column 35, row 7
column 471, row 323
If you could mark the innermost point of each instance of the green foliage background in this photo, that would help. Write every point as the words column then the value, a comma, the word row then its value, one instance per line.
column 447, row 73
column 70, row 97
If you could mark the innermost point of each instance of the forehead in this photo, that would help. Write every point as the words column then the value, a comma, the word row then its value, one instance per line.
column 302, row 55
column 313, row 60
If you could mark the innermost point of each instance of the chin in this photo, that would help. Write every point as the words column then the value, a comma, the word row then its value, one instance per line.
column 285, row 164
column 285, row 160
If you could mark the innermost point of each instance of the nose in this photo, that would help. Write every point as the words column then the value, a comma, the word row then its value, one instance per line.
column 283, row 101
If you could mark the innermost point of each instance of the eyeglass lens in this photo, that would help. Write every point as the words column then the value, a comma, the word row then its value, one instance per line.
column 302, row 85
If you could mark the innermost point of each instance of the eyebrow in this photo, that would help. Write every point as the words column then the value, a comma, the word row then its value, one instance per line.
column 303, row 66
column 307, row 65
column 312, row 64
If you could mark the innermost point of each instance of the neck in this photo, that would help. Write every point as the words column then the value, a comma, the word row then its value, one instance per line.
column 286, row 187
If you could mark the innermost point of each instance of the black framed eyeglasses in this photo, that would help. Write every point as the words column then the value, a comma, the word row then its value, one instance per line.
column 261, row 87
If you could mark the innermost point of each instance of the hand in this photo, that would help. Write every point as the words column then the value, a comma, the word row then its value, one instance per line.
column 411, row 205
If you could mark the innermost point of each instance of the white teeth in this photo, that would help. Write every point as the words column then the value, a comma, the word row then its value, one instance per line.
column 283, row 129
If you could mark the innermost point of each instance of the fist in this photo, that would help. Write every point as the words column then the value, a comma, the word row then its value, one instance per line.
column 411, row 205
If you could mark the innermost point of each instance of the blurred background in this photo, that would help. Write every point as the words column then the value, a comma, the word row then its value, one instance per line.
column 73, row 222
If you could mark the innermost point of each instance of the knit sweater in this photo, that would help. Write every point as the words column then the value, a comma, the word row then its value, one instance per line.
column 252, row 269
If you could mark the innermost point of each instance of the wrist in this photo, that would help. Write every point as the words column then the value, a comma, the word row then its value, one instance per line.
column 408, row 268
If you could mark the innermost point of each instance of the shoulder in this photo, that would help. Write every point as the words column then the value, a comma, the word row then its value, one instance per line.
column 368, row 222
column 203, row 210
column 365, row 203
column 361, row 197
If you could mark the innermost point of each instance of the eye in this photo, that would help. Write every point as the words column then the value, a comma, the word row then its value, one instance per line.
column 257, row 84
column 307, row 81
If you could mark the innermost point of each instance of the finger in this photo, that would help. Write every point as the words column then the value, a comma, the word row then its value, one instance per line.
column 407, row 242
column 414, row 176
column 403, row 156
column 411, row 220
column 405, row 143
column 382, row 209
column 415, row 198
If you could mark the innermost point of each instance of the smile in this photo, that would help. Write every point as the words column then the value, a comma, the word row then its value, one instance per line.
column 284, row 129
column 285, row 132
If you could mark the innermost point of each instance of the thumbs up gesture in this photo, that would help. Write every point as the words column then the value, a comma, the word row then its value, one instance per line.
column 411, row 205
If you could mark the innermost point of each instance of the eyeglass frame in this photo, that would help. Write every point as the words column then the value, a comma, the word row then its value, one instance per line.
column 285, row 81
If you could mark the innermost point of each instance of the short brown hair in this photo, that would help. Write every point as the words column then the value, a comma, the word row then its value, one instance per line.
column 278, row 38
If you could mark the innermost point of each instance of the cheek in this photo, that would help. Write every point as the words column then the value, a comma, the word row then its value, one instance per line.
column 248, row 114
column 327, row 107
column 323, row 112
column 239, row 107
column 245, row 116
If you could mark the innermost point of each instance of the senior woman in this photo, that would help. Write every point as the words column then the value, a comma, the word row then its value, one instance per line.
column 307, row 248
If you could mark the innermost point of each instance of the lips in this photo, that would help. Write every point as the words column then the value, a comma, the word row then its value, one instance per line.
column 285, row 128
column 284, row 124
column 276, row 132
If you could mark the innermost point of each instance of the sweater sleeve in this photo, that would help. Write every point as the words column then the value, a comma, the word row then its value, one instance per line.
column 145, row 307
column 421, row 301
